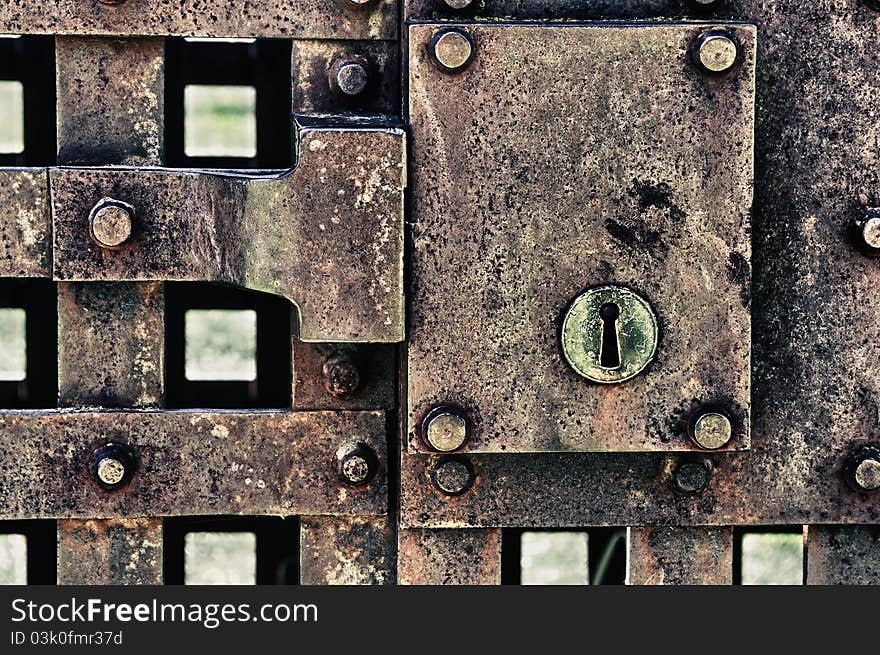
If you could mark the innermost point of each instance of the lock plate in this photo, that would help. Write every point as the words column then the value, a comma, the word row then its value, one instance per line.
column 565, row 157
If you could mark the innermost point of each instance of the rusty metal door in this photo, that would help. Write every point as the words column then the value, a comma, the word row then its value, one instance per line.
column 514, row 266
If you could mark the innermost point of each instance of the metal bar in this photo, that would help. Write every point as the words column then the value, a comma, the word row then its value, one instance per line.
column 449, row 557
column 842, row 554
column 347, row 550
column 112, row 552
column 679, row 556
column 110, row 338
column 303, row 19
column 192, row 462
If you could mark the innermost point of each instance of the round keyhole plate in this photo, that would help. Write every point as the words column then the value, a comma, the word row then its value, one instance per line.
column 583, row 328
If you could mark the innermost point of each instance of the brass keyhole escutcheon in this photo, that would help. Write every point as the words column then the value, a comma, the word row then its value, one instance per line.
column 609, row 334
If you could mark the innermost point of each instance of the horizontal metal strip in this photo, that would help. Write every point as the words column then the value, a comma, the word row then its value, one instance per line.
column 187, row 463
column 632, row 489
column 303, row 19
column 25, row 225
column 327, row 235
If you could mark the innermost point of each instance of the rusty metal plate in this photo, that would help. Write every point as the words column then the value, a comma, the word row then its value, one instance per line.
column 562, row 158
column 547, row 9
column 327, row 235
column 302, row 19
column 25, row 226
column 188, row 463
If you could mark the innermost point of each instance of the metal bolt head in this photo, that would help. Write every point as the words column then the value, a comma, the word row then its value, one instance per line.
column 110, row 222
column 446, row 429
column 342, row 377
column 452, row 49
column 350, row 76
column 453, row 476
column 692, row 477
column 458, row 4
column 866, row 230
column 111, row 471
column 715, row 51
column 867, row 475
column 710, row 428
column 862, row 469
column 356, row 463
column 112, row 465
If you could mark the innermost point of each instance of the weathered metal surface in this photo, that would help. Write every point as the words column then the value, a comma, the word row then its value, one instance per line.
column 679, row 556
column 842, row 554
column 110, row 552
column 578, row 490
column 304, row 19
column 111, row 344
column 343, row 550
column 598, row 155
column 545, row 9
column 25, row 224
column 327, row 235
column 449, row 557
column 313, row 371
column 312, row 68
column 110, row 106
column 111, row 337
column 188, row 462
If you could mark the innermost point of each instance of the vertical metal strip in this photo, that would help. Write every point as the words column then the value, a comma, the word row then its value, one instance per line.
column 347, row 550
column 842, row 554
column 110, row 336
column 679, row 556
column 449, row 557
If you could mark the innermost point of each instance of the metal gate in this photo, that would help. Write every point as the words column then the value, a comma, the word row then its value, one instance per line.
column 513, row 265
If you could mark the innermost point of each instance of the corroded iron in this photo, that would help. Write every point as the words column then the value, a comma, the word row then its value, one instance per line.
column 25, row 223
column 679, row 556
column 338, row 253
column 347, row 550
column 188, row 462
column 458, row 557
column 601, row 158
column 304, row 19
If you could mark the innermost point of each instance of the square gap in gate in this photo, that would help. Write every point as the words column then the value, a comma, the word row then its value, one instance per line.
column 220, row 344
column 13, row 344
column 11, row 117
column 771, row 558
column 220, row 558
column 219, row 121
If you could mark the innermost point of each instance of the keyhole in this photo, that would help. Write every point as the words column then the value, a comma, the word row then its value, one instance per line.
column 609, row 351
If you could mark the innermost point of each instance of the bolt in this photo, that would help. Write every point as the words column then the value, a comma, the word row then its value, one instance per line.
column 867, row 232
column 112, row 465
column 356, row 463
column 110, row 222
column 715, row 51
column 458, row 4
column 862, row 469
column 453, row 476
column 453, row 49
column 692, row 477
column 710, row 428
column 111, row 471
column 349, row 76
column 446, row 429
column 341, row 375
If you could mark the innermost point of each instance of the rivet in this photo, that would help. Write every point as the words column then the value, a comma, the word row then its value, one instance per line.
column 342, row 377
column 862, row 469
column 452, row 49
column 458, row 4
column 110, row 222
column 453, row 476
column 710, row 428
column 356, row 463
column 349, row 76
column 867, row 232
column 715, row 51
column 446, row 428
column 692, row 477
column 112, row 465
